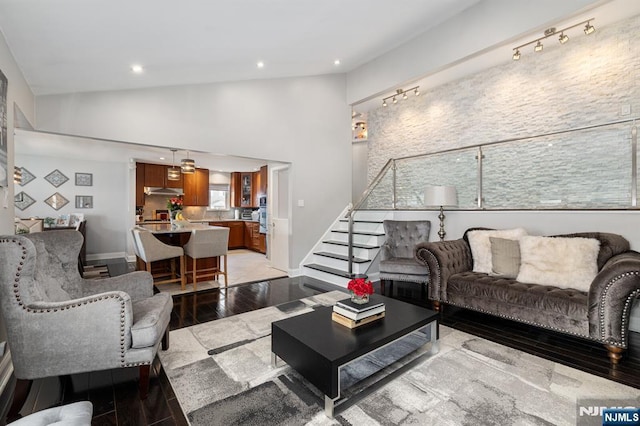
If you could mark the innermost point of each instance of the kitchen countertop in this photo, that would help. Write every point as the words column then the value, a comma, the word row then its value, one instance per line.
column 152, row 222
column 167, row 228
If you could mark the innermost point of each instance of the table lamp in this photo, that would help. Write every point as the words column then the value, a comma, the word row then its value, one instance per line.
column 441, row 196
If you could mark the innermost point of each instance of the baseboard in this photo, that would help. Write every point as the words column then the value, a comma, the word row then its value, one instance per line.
column 295, row 272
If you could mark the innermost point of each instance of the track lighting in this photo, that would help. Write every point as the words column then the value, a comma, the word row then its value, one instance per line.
column 588, row 29
column 187, row 165
column 402, row 93
column 563, row 38
column 173, row 172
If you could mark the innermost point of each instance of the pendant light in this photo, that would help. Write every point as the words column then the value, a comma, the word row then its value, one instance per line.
column 187, row 165
column 173, row 172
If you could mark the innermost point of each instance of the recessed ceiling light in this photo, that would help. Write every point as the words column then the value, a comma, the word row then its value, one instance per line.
column 137, row 69
column 336, row 62
column 162, row 158
column 260, row 64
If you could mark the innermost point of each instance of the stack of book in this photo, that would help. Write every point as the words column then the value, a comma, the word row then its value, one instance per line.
column 352, row 315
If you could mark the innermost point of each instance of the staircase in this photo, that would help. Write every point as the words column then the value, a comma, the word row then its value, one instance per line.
column 329, row 259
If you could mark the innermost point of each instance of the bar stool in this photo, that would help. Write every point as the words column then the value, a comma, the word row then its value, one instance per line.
column 207, row 243
column 149, row 249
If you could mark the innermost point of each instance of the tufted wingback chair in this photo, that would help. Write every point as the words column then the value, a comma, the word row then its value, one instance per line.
column 397, row 260
column 59, row 323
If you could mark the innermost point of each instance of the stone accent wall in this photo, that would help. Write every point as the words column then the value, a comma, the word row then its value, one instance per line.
column 585, row 82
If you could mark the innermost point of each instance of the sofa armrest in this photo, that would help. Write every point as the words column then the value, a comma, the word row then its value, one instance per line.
column 138, row 285
column 611, row 296
column 385, row 252
column 443, row 259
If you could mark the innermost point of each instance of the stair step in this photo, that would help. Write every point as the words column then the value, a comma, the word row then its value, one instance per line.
column 344, row 243
column 341, row 257
column 374, row 234
column 328, row 270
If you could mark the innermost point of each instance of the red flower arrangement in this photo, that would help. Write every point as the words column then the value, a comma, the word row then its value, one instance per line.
column 360, row 287
column 174, row 203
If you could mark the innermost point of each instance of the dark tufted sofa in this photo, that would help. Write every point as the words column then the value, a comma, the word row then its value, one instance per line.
column 601, row 315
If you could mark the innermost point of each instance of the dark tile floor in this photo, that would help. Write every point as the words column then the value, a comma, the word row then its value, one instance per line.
column 114, row 393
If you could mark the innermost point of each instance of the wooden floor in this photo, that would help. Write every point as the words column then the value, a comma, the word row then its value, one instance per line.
column 114, row 393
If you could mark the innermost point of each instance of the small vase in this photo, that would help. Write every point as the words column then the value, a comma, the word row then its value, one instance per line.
column 172, row 216
column 360, row 300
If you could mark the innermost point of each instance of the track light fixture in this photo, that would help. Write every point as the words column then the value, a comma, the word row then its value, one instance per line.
column 400, row 93
column 187, row 165
column 563, row 38
column 173, row 172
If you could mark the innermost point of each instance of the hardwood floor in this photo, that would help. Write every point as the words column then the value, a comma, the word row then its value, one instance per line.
column 114, row 393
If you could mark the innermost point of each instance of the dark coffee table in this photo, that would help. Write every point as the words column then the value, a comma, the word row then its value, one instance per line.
column 319, row 348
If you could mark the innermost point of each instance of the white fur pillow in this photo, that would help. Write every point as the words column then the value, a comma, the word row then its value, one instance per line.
column 481, row 246
column 561, row 262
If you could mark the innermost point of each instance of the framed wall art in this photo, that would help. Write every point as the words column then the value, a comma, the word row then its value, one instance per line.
column 84, row 179
column 84, row 201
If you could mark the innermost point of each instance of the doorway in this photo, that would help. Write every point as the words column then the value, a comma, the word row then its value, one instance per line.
column 279, row 214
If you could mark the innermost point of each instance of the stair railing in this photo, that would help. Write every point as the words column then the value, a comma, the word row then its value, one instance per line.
column 391, row 164
column 477, row 201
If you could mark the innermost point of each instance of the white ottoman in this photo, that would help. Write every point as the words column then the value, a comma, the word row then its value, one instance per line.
column 76, row 414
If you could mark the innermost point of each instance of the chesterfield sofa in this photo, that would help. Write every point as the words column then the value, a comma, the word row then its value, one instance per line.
column 600, row 312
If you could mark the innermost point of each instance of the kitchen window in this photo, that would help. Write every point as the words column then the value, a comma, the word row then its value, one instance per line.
column 219, row 197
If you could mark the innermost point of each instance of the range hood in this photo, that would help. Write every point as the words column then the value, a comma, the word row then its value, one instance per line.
column 171, row 192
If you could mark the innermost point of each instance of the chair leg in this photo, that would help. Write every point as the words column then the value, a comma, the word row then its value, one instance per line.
column 143, row 385
column 382, row 286
column 195, row 275
column 165, row 340
column 19, row 398
column 183, row 273
column 226, row 277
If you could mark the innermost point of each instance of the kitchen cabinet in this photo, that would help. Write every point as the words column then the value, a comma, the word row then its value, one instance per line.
column 140, row 184
column 196, row 188
column 253, row 239
column 236, row 232
column 247, row 188
column 155, row 175
column 235, row 193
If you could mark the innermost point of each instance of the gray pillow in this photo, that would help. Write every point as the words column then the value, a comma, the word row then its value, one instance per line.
column 505, row 257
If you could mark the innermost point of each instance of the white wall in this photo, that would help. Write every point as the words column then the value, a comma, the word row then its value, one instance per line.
column 487, row 23
column 108, row 220
column 20, row 94
column 585, row 82
column 304, row 121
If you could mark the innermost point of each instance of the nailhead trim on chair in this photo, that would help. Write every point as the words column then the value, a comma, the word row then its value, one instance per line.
column 626, row 311
column 16, row 291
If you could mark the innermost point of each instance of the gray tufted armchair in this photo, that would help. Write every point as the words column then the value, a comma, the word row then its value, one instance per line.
column 397, row 261
column 59, row 323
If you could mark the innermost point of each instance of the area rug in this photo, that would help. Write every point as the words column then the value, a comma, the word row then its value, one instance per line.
column 95, row 271
column 221, row 374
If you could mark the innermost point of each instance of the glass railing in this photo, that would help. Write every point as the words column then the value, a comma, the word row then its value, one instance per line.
column 588, row 168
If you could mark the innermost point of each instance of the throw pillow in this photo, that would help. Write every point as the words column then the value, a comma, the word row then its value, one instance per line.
column 481, row 246
column 561, row 262
column 505, row 257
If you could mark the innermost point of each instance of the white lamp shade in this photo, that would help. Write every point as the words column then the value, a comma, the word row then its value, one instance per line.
column 440, row 196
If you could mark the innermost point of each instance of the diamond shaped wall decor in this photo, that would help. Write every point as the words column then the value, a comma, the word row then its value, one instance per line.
column 27, row 176
column 56, row 178
column 56, row 201
column 22, row 200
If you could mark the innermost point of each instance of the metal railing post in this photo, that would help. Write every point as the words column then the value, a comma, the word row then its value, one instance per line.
column 634, row 166
column 350, row 249
column 395, row 195
column 479, row 157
